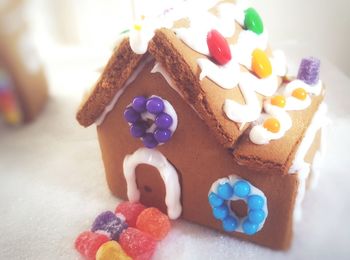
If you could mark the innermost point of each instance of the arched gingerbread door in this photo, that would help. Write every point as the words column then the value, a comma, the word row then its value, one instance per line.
column 167, row 172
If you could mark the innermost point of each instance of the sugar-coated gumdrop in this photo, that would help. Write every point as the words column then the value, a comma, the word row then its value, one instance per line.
column 137, row 244
column 309, row 70
column 109, row 222
column 130, row 210
column 111, row 251
column 218, row 47
column 87, row 243
column 153, row 222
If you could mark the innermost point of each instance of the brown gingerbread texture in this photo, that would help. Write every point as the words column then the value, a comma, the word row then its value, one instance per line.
column 207, row 150
column 20, row 64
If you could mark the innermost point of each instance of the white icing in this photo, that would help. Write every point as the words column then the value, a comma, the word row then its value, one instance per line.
column 232, row 179
column 168, row 173
column 139, row 39
column 115, row 99
column 226, row 76
column 29, row 54
column 299, row 165
column 260, row 135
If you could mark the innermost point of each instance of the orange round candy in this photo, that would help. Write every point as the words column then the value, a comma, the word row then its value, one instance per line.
column 261, row 64
column 272, row 124
column 299, row 93
column 279, row 101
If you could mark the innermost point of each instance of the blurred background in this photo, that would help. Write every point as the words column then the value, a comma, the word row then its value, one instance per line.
column 52, row 180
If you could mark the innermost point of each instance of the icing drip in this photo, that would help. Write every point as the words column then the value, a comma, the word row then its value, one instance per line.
column 168, row 173
column 299, row 165
column 260, row 135
column 115, row 99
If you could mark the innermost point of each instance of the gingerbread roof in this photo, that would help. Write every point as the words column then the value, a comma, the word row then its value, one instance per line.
column 205, row 96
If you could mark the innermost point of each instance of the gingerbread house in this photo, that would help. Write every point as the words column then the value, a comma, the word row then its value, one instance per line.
column 23, row 86
column 197, row 117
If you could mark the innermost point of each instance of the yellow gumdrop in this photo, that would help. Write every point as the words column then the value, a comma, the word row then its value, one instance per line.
column 299, row 93
column 272, row 125
column 111, row 250
column 261, row 64
column 279, row 101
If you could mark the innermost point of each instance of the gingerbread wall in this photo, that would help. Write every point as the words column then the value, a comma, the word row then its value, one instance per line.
column 199, row 159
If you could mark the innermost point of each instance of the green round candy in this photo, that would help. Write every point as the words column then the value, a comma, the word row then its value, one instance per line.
column 253, row 22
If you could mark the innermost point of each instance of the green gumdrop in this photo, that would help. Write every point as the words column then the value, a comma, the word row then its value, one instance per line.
column 253, row 22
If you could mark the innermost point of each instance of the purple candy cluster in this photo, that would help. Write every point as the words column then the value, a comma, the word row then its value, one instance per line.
column 108, row 222
column 139, row 127
column 309, row 70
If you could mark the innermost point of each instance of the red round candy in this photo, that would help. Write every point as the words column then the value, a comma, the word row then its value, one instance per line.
column 137, row 244
column 87, row 243
column 130, row 210
column 218, row 47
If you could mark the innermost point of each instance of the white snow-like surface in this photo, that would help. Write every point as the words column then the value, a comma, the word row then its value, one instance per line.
column 52, row 185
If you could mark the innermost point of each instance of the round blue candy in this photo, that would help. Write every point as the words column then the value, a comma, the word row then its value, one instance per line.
column 155, row 105
column 229, row 224
column 162, row 135
column 220, row 212
column 163, row 121
column 255, row 202
column 249, row 228
column 215, row 200
column 131, row 115
column 241, row 189
column 256, row 216
column 225, row 191
column 137, row 130
column 139, row 104
column 149, row 141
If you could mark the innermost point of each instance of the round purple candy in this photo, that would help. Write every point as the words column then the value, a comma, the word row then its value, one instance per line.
column 162, row 135
column 309, row 70
column 131, row 115
column 107, row 221
column 155, row 105
column 139, row 104
column 164, row 121
column 149, row 141
column 137, row 130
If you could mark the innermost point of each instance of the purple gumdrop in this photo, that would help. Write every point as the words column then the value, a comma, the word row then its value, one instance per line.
column 131, row 115
column 155, row 105
column 139, row 104
column 149, row 141
column 309, row 70
column 162, row 135
column 137, row 130
column 164, row 121
column 110, row 223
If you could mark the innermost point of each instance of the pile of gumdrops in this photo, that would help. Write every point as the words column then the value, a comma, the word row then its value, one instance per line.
column 131, row 232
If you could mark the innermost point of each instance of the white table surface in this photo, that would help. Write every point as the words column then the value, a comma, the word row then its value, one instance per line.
column 52, row 184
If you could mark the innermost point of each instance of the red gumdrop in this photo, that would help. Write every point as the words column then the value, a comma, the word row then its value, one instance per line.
column 153, row 222
column 87, row 243
column 218, row 47
column 137, row 244
column 130, row 210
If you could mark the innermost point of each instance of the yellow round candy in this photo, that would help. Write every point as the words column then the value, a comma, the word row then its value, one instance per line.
column 111, row 250
column 299, row 93
column 261, row 64
column 13, row 117
column 272, row 125
column 279, row 101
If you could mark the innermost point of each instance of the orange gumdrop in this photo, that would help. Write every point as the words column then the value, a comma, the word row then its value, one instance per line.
column 279, row 101
column 272, row 125
column 261, row 64
column 299, row 93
